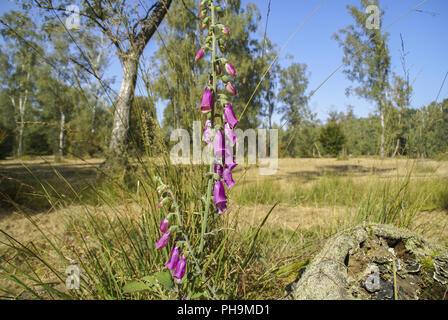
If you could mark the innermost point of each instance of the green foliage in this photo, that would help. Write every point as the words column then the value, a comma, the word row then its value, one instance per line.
column 332, row 138
column 367, row 60
column 293, row 84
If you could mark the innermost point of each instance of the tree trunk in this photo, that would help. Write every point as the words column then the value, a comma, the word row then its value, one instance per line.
column 397, row 146
column 123, row 105
column 383, row 132
column 20, row 148
column 129, row 62
column 61, row 135
column 22, row 104
column 398, row 139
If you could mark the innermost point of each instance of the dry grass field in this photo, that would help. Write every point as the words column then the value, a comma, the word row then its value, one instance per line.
column 250, row 212
column 315, row 198
column 330, row 179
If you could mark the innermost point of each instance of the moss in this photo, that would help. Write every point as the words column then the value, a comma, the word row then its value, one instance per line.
column 427, row 264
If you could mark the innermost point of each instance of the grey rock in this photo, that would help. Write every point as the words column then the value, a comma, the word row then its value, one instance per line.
column 326, row 277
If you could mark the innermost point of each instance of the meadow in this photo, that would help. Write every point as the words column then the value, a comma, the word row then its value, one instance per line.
column 58, row 214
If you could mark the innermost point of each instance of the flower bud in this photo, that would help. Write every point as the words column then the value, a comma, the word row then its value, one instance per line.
column 230, row 69
column 163, row 241
column 174, row 259
column 199, row 55
column 231, row 89
column 164, row 225
column 230, row 116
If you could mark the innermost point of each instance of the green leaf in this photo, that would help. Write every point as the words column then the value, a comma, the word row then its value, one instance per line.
column 165, row 279
column 135, row 286
column 150, row 279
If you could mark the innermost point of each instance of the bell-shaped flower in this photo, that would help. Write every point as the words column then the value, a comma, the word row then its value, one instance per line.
column 163, row 241
column 228, row 179
column 174, row 259
column 230, row 69
column 180, row 269
column 207, row 136
column 226, row 31
column 231, row 166
column 217, row 168
column 219, row 145
column 230, row 135
column 229, row 161
column 231, row 89
column 219, row 197
column 199, row 55
column 207, row 101
column 230, row 116
column 164, row 225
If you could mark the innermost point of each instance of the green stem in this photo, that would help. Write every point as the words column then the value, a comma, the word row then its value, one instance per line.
column 211, row 155
column 187, row 243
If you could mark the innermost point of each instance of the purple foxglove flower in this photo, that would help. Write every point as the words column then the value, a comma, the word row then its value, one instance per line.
column 230, row 135
column 159, row 205
column 219, row 145
column 217, row 168
column 231, row 166
column 229, row 158
column 164, row 225
column 207, row 101
column 207, row 136
column 163, row 241
column 231, row 89
column 228, row 179
column 180, row 270
column 230, row 69
column 199, row 55
column 230, row 116
column 174, row 259
column 219, row 197
column 226, row 31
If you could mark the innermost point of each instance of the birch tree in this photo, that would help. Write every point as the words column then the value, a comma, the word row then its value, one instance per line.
column 367, row 59
column 129, row 26
column 19, row 32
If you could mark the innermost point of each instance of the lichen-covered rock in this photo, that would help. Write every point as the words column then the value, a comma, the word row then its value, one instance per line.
column 375, row 261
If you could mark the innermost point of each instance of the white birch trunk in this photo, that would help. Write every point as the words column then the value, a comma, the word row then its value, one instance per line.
column 123, row 105
column 61, row 135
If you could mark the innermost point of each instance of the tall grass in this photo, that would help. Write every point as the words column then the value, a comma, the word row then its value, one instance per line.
column 111, row 238
column 110, row 234
column 430, row 193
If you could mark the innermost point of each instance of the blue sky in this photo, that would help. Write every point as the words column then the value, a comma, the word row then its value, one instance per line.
column 425, row 34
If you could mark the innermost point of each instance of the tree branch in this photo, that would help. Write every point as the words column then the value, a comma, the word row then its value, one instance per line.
column 150, row 26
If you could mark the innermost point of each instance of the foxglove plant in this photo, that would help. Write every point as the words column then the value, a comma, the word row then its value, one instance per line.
column 219, row 135
column 218, row 119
